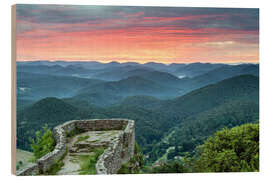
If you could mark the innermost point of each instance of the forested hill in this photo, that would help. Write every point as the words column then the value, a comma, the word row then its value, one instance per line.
column 239, row 87
column 221, row 73
column 107, row 84
column 194, row 130
column 50, row 111
column 154, row 118
column 229, row 103
column 35, row 86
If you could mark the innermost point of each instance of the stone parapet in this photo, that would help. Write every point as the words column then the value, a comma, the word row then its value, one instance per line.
column 108, row 163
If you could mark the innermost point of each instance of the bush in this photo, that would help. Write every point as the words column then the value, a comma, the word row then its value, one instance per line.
column 234, row 150
column 43, row 143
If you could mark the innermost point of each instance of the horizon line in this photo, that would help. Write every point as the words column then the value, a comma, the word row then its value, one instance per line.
column 114, row 61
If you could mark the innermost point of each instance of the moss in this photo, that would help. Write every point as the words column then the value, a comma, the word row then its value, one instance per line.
column 124, row 169
column 82, row 138
column 54, row 168
column 74, row 132
column 124, row 127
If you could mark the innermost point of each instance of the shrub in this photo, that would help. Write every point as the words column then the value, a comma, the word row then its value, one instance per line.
column 43, row 143
column 234, row 150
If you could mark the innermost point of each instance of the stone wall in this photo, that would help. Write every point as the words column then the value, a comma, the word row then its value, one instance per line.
column 108, row 163
column 121, row 151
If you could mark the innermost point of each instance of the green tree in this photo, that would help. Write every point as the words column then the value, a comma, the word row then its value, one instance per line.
column 43, row 142
column 234, row 150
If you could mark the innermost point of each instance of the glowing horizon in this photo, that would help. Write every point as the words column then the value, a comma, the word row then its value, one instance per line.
column 137, row 34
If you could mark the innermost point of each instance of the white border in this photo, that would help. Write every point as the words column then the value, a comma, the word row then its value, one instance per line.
column 5, row 83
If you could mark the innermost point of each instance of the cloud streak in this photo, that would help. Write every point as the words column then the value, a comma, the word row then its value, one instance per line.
column 134, row 33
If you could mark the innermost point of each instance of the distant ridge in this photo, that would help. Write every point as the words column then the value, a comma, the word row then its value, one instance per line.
column 127, row 62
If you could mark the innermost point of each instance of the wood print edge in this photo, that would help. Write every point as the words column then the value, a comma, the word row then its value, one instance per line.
column 13, row 89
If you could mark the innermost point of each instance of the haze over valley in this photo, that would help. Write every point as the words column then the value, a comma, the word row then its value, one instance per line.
column 152, row 94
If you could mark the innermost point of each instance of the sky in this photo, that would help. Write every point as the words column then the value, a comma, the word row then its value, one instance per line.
column 138, row 34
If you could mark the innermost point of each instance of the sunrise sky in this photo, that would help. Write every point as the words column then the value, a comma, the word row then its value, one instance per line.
column 141, row 34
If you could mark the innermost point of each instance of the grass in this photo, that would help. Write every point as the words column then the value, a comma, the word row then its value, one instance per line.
column 56, row 166
column 88, row 162
column 82, row 138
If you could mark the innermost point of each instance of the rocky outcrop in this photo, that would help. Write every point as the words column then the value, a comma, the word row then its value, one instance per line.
column 112, row 158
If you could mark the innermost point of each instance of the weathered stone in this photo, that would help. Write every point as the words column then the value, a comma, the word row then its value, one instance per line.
column 112, row 158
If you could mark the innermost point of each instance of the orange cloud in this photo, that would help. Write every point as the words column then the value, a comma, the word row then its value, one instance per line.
column 134, row 36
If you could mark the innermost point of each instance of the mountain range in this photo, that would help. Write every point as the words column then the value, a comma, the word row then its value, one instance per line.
column 104, row 84
column 225, row 103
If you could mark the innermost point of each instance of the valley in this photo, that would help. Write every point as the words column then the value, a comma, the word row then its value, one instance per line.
column 173, row 115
